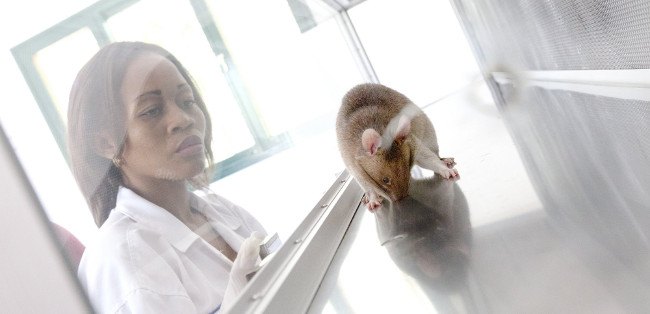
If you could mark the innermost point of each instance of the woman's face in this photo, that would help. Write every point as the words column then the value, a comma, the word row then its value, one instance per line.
column 165, row 127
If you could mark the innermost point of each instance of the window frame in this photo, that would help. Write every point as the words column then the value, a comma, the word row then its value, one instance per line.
column 94, row 17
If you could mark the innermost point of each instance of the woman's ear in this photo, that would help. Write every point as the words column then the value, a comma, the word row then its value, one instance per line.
column 105, row 146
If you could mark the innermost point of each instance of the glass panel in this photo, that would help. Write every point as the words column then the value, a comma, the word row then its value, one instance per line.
column 59, row 63
column 420, row 245
column 576, row 240
column 295, row 81
column 174, row 26
column 432, row 61
column 570, row 233
column 504, row 251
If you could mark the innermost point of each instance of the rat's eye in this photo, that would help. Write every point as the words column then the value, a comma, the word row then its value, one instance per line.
column 386, row 180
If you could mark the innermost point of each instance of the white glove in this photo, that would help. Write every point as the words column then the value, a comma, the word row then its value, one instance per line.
column 247, row 261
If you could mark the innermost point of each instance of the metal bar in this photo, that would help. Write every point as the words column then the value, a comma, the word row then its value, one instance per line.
column 288, row 282
column 235, row 82
column 356, row 47
column 622, row 84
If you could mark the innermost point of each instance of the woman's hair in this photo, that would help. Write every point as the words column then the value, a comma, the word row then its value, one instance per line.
column 96, row 110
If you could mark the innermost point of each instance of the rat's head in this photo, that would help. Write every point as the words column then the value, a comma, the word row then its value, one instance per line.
column 388, row 160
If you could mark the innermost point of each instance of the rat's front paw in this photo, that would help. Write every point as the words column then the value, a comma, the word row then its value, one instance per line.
column 374, row 206
column 449, row 161
column 449, row 173
column 373, row 201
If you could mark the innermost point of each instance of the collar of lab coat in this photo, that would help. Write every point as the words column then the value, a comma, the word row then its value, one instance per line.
column 163, row 222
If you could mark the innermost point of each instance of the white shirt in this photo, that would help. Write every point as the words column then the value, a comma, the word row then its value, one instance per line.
column 145, row 260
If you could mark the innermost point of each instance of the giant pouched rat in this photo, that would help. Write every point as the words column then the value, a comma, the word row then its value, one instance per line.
column 381, row 135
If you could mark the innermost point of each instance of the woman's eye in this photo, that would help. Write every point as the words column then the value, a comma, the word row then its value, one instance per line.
column 386, row 180
column 189, row 103
column 151, row 112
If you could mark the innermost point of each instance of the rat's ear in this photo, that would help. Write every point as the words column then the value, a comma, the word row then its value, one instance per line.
column 403, row 128
column 371, row 141
column 105, row 146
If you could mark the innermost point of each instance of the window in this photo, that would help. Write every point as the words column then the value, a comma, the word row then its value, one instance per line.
column 272, row 91
column 58, row 76
column 175, row 27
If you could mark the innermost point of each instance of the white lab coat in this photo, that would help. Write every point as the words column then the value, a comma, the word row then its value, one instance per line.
column 145, row 260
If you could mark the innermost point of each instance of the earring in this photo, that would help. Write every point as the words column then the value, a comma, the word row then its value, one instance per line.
column 117, row 161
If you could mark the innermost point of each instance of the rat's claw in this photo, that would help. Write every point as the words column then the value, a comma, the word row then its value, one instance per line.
column 373, row 201
column 449, row 161
column 451, row 174
column 374, row 206
column 456, row 175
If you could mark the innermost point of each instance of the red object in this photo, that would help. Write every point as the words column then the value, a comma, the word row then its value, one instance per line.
column 72, row 246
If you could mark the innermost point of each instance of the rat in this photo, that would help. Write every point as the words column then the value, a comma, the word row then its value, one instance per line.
column 381, row 134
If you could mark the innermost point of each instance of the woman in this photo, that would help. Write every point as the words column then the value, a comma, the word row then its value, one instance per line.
column 139, row 138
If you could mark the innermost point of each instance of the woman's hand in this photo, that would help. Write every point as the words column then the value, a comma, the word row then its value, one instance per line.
column 248, row 258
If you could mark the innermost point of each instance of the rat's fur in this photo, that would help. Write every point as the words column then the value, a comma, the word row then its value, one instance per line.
column 381, row 135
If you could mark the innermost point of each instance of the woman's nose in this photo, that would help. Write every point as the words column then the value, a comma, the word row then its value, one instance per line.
column 178, row 118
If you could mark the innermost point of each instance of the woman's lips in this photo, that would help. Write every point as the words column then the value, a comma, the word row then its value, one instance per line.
column 191, row 145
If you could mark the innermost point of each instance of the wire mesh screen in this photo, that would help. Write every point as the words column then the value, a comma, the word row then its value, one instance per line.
column 588, row 156
column 560, row 35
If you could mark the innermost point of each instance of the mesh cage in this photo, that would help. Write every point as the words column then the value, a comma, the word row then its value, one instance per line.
column 588, row 156
column 560, row 35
